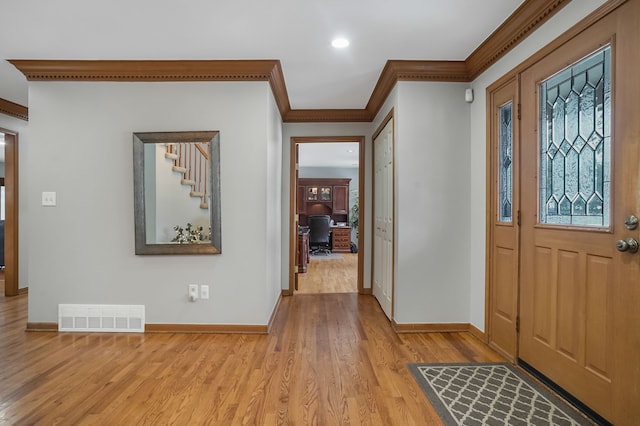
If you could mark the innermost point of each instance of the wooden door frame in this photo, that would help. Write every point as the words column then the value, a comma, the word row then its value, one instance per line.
column 11, row 287
column 492, row 189
column 293, row 188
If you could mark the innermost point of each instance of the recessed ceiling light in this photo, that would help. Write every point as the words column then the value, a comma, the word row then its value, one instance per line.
column 340, row 43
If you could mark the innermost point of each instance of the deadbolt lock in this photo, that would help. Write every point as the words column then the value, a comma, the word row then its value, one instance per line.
column 631, row 223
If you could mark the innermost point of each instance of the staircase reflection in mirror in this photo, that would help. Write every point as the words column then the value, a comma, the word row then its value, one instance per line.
column 176, row 189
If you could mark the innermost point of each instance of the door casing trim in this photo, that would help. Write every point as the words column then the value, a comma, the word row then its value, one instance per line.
column 11, row 286
column 293, row 234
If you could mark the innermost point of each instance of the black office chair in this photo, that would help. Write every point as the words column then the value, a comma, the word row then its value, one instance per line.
column 319, row 241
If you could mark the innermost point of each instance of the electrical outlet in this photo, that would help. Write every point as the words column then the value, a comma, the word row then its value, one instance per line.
column 204, row 291
column 193, row 292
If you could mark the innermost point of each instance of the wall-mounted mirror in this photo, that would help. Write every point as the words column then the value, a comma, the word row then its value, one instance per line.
column 176, row 179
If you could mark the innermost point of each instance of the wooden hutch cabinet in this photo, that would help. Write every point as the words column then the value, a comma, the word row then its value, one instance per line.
column 330, row 197
column 302, row 205
column 323, row 196
column 341, row 200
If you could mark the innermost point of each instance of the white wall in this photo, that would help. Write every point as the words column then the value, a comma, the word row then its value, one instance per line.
column 82, row 251
column 563, row 20
column 273, row 191
column 13, row 84
column 89, row 126
column 431, row 163
column 332, row 173
column 325, row 129
column 21, row 127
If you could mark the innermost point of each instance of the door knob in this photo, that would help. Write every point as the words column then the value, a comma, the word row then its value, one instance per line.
column 631, row 223
column 630, row 245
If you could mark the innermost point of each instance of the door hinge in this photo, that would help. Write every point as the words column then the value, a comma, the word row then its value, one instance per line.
column 518, row 218
column 517, row 324
column 519, row 107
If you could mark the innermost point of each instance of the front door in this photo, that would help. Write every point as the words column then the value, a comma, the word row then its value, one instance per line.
column 580, row 293
column 503, row 220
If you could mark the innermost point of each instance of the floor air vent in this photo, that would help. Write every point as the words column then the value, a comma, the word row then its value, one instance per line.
column 102, row 318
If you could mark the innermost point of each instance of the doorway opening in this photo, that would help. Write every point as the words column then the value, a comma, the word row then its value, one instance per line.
column 327, row 184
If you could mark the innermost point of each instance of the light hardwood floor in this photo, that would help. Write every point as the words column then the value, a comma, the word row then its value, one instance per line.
column 330, row 359
column 326, row 275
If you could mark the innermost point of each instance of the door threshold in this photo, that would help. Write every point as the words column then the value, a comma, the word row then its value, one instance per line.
column 579, row 405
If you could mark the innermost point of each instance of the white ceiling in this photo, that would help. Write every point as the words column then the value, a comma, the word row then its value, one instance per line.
column 328, row 154
column 296, row 32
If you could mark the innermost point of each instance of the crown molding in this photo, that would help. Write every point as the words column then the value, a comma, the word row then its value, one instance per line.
column 13, row 109
column 397, row 70
column 428, row 70
column 279, row 89
column 327, row 116
column 526, row 18
column 175, row 70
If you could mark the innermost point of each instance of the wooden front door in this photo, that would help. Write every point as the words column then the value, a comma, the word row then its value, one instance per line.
column 580, row 295
column 503, row 221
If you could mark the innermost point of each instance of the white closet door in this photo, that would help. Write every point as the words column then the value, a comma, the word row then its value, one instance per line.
column 383, row 219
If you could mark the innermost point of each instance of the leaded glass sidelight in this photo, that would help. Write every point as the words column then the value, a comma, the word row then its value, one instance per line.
column 506, row 164
column 575, row 141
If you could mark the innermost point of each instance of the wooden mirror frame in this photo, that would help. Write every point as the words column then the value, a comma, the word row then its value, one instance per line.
column 213, row 181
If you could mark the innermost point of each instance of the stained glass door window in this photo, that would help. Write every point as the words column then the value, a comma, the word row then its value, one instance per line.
column 505, row 200
column 575, row 142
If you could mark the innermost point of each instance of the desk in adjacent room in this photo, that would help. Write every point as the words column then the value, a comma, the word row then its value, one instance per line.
column 302, row 254
column 340, row 239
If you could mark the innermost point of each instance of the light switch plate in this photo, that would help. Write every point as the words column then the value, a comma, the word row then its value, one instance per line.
column 49, row 199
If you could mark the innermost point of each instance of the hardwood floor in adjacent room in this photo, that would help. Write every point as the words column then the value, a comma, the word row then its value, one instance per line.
column 328, row 275
column 329, row 359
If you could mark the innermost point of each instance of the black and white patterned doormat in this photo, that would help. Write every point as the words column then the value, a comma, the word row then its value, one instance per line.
column 491, row 394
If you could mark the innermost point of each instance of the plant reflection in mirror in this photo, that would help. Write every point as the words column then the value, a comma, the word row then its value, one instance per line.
column 190, row 234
